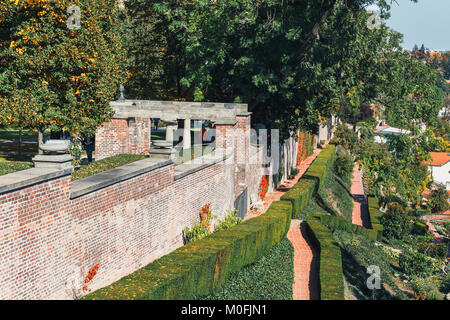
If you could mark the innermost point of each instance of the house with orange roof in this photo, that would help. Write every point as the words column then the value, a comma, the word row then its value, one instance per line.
column 439, row 168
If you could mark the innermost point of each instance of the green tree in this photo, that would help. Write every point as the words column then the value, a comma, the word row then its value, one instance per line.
column 55, row 77
column 438, row 200
column 395, row 221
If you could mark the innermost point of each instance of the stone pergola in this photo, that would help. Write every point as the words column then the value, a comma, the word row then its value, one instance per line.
column 130, row 129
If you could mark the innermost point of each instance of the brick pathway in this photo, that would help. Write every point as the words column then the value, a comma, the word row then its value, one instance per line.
column 306, row 263
column 306, row 259
column 360, row 214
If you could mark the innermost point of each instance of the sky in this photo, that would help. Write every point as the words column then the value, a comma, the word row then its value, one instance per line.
column 427, row 22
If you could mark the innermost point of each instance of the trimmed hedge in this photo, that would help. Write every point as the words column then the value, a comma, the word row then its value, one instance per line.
column 331, row 272
column 338, row 223
column 302, row 192
column 375, row 216
column 201, row 267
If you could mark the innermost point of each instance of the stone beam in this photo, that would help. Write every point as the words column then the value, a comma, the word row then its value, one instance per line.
column 218, row 113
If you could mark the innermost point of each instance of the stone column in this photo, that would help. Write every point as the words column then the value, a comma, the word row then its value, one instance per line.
column 170, row 128
column 187, row 134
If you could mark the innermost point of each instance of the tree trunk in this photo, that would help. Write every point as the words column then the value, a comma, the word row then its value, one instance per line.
column 315, row 32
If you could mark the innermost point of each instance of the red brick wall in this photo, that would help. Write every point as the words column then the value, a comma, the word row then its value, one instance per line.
column 49, row 242
column 123, row 136
column 111, row 139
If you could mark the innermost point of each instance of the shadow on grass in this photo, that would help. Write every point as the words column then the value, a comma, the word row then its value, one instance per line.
column 355, row 274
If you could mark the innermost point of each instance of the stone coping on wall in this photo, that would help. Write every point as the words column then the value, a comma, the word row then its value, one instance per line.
column 220, row 113
column 26, row 178
column 104, row 179
column 190, row 167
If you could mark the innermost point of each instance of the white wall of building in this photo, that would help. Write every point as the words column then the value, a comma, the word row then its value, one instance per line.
column 441, row 174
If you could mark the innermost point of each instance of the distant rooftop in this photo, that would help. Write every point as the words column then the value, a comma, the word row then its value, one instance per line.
column 438, row 159
column 392, row 131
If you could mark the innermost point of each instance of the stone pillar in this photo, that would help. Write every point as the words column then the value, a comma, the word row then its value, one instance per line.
column 170, row 128
column 187, row 134
column 111, row 139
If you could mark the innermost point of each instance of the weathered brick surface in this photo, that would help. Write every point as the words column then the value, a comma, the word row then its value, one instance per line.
column 48, row 242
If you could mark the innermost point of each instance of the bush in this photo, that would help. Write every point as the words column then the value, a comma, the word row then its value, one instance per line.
column 345, row 137
column 270, row 278
column 426, row 288
column 438, row 200
column 200, row 268
column 338, row 223
column 396, row 223
column 375, row 216
column 303, row 191
column 414, row 263
column 419, row 228
column 331, row 273
column 230, row 221
column 343, row 164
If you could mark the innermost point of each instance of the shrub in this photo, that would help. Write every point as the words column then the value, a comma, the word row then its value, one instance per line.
column 331, row 273
column 303, row 191
column 396, row 224
column 414, row 263
column 345, row 137
column 270, row 278
column 338, row 223
column 230, row 220
column 426, row 288
column 201, row 267
column 375, row 216
column 419, row 228
column 438, row 200
column 343, row 164
column 294, row 172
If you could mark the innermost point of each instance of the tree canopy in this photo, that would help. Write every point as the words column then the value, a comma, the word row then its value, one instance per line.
column 56, row 77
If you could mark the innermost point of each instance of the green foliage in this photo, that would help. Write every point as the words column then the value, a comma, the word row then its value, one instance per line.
column 302, row 192
column 427, row 288
column 197, row 232
column 338, row 223
column 294, row 172
column 55, row 77
column 13, row 166
column 375, row 215
column 105, row 164
column 396, row 223
column 438, row 200
column 270, row 278
column 414, row 263
column 343, row 163
column 331, row 274
column 345, row 137
column 201, row 267
column 230, row 220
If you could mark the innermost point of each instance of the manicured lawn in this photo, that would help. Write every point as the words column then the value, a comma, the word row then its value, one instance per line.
column 200, row 150
column 270, row 278
column 105, row 164
column 13, row 166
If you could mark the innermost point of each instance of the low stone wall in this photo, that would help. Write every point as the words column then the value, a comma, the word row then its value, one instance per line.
column 53, row 231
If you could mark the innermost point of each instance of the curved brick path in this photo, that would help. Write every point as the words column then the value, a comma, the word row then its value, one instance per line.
column 306, row 263
column 306, row 259
column 360, row 214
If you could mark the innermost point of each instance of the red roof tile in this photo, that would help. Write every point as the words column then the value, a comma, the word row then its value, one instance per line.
column 438, row 159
